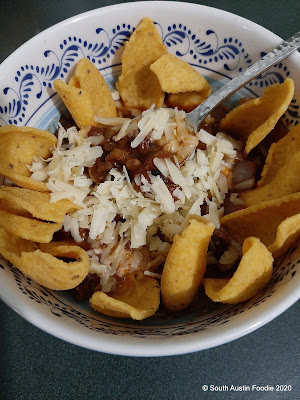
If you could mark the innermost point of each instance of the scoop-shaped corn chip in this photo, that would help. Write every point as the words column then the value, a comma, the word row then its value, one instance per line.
column 256, row 118
column 22, row 211
column 274, row 222
column 74, row 82
column 87, row 95
column 186, row 264
column 137, row 298
column 279, row 154
column 18, row 147
column 78, row 102
column 26, row 202
column 287, row 233
column 284, row 182
column 42, row 263
column 186, row 101
column 253, row 273
column 27, row 228
column 138, row 85
column 177, row 76
column 91, row 80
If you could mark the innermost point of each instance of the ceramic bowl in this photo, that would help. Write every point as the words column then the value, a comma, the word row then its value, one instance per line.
column 219, row 45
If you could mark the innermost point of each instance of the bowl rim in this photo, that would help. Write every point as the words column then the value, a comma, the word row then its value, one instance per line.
column 138, row 347
column 133, row 346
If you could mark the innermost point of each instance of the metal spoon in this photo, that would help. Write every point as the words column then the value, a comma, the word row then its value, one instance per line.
column 195, row 117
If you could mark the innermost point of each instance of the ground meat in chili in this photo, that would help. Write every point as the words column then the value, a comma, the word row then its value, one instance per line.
column 220, row 242
column 85, row 290
column 137, row 160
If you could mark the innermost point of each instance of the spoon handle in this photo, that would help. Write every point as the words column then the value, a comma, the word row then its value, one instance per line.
column 273, row 57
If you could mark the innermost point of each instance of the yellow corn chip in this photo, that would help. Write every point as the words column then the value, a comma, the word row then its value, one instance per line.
column 91, row 81
column 287, row 233
column 27, row 202
column 177, row 76
column 138, row 85
column 256, row 118
column 18, row 147
column 22, row 212
column 253, row 273
column 137, row 298
column 186, row 264
column 74, row 82
column 27, row 228
column 274, row 222
column 41, row 262
column 77, row 102
column 87, row 95
column 186, row 101
column 284, row 182
column 279, row 154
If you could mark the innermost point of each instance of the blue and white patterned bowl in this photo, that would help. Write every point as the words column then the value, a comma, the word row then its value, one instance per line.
column 219, row 45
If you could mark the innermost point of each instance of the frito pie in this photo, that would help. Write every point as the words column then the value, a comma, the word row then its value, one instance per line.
column 131, row 213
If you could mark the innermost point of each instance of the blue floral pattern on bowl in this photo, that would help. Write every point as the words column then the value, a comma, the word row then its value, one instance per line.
column 225, row 56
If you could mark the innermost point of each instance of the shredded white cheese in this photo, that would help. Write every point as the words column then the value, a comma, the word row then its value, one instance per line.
column 156, row 207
